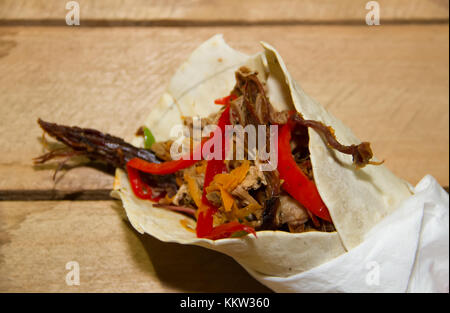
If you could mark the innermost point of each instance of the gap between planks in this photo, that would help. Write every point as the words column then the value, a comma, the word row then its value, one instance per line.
column 55, row 195
column 213, row 23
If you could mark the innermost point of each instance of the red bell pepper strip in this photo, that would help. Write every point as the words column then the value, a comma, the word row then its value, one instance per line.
column 296, row 183
column 225, row 100
column 204, row 222
column 140, row 189
column 163, row 168
column 226, row 230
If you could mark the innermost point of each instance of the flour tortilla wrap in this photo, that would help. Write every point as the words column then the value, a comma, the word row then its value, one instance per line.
column 356, row 199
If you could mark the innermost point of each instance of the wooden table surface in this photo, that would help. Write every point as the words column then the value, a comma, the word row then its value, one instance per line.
column 389, row 83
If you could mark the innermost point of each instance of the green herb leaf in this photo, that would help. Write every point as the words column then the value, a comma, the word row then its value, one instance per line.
column 149, row 140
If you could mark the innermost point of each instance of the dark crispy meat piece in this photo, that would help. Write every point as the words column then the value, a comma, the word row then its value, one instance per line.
column 271, row 202
column 306, row 168
column 362, row 153
column 102, row 147
column 269, row 214
column 257, row 108
column 300, row 150
column 96, row 145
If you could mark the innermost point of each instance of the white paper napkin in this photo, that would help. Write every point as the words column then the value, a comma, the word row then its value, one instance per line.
column 408, row 251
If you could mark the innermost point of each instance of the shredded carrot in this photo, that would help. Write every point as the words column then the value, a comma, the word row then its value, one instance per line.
column 227, row 199
column 229, row 181
column 224, row 183
column 194, row 191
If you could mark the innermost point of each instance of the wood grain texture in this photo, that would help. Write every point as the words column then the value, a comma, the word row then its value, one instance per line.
column 388, row 83
column 38, row 239
column 221, row 11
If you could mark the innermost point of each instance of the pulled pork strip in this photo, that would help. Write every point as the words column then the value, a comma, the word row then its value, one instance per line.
column 244, row 195
column 254, row 179
column 162, row 150
column 182, row 195
column 291, row 212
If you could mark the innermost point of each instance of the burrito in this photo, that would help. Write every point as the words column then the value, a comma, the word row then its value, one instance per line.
column 235, row 157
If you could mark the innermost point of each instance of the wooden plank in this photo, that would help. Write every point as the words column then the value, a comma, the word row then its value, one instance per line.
column 220, row 11
column 37, row 239
column 388, row 83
